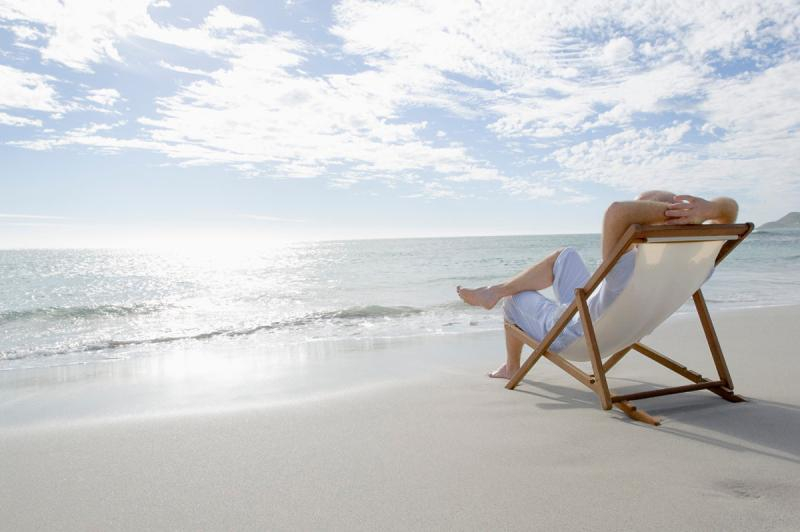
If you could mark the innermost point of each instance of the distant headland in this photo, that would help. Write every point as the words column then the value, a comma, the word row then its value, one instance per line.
column 790, row 221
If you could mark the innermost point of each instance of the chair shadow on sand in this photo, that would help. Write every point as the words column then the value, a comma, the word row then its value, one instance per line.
column 758, row 426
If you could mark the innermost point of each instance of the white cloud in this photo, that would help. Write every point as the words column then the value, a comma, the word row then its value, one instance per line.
column 222, row 18
column 630, row 160
column 87, row 136
column 26, row 90
column 755, row 142
column 11, row 120
column 618, row 49
column 183, row 70
column 24, row 34
column 104, row 97
column 559, row 79
column 77, row 34
column 757, row 126
column 259, row 110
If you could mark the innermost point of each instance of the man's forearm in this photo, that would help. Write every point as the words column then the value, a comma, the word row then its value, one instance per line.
column 622, row 214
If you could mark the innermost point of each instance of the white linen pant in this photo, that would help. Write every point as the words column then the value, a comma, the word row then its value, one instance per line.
column 536, row 314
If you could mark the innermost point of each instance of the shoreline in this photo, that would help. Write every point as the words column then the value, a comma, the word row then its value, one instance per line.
column 215, row 378
column 332, row 344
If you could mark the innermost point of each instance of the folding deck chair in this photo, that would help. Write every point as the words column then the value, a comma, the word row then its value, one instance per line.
column 672, row 262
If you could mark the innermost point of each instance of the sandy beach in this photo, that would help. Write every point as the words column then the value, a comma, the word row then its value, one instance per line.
column 405, row 435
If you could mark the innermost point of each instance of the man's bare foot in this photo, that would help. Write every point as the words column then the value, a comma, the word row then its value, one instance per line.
column 502, row 373
column 486, row 297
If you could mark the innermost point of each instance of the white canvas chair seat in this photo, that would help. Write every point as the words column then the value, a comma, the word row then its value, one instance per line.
column 672, row 263
column 664, row 277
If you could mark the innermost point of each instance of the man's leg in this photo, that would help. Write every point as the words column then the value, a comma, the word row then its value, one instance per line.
column 537, row 277
column 513, row 353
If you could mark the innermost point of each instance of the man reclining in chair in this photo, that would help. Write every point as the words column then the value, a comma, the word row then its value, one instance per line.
column 565, row 271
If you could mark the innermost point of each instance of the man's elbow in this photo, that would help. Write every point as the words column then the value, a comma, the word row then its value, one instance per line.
column 729, row 210
column 734, row 209
column 615, row 210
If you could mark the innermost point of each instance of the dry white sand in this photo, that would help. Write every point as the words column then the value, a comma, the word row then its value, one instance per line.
column 408, row 436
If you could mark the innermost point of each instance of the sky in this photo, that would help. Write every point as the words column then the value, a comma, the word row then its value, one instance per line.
column 138, row 122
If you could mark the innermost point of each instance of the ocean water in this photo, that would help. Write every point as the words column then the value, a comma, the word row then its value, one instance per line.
column 72, row 306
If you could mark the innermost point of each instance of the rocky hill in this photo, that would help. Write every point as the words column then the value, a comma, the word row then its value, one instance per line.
column 790, row 221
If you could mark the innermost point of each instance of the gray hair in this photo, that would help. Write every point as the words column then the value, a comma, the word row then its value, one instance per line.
column 656, row 195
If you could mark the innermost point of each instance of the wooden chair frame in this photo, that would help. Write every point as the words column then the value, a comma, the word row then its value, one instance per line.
column 596, row 381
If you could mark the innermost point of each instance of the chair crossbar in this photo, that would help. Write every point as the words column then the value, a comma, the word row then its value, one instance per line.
column 667, row 362
column 666, row 391
column 669, row 239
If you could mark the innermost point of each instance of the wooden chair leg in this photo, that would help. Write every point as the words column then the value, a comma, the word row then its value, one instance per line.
column 711, row 338
column 600, row 386
column 728, row 395
column 637, row 414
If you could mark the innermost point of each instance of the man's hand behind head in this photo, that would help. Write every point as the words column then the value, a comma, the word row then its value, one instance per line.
column 687, row 209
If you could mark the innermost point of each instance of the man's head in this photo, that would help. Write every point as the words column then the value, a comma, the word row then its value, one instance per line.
column 656, row 195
